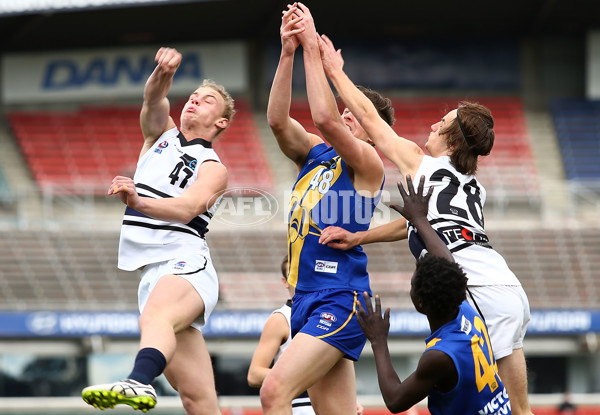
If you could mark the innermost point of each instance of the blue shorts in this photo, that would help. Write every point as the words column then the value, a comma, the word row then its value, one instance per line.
column 329, row 315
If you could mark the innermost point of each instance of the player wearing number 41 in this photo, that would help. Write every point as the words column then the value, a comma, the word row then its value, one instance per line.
column 457, row 371
column 455, row 211
column 177, row 184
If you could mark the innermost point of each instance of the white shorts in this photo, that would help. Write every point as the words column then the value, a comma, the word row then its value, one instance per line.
column 302, row 406
column 197, row 269
column 505, row 309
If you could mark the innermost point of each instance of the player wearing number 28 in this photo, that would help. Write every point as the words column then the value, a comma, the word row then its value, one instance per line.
column 457, row 371
column 455, row 144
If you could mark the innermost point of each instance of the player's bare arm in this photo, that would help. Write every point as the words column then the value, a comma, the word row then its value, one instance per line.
column 415, row 211
column 405, row 154
column 363, row 160
column 292, row 138
column 433, row 368
column 154, row 116
column 274, row 334
column 340, row 238
column 196, row 199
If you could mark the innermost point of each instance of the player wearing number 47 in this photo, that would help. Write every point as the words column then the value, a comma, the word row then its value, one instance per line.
column 457, row 371
column 170, row 201
column 455, row 211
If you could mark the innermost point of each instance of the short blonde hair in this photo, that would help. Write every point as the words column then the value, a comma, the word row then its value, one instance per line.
column 229, row 110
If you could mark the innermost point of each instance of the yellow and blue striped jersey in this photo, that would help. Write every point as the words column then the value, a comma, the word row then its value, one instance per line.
column 322, row 196
column 479, row 389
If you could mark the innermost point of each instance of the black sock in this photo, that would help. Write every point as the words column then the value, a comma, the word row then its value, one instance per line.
column 149, row 364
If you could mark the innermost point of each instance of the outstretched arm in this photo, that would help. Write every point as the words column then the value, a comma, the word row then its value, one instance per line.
column 340, row 238
column 358, row 155
column 415, row 211
column 405, row 154
column 292, row 138
column 399, row 396
column 154, row 116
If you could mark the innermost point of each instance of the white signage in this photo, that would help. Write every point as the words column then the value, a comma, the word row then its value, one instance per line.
column 108, row 74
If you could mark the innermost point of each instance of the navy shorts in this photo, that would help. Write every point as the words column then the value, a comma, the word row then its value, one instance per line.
column 329, row 315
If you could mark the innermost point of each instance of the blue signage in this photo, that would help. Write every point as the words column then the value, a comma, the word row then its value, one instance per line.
column 61, row 74
column 243, row 324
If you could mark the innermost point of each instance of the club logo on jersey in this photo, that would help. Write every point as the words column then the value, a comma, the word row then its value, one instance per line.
column 328, row 267
column 189, row 161
column 328, row 317
column 179, row 265
column 330, row 164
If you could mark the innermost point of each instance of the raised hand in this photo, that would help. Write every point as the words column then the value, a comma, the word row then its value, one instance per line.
column 309, row 33
column 168, row 60
column 415, row 204
column 332, row 59
column 375, row 327
column 289, row 30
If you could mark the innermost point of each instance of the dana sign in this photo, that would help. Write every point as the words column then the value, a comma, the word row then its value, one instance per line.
column 80, row 76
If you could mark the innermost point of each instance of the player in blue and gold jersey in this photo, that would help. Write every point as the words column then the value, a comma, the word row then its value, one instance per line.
column 457, row 371
column 337, row 184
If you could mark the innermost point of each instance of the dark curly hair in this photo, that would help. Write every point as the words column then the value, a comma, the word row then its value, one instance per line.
column 475, row 138
column 439, row 285
column 382, row 104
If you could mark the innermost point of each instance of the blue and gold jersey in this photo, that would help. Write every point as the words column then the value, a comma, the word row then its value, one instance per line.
column 322, row 196
column 479, row 389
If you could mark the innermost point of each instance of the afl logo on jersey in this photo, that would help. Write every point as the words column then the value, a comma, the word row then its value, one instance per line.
column 328, row 317
column 179, row 265
column 328, row 267
column 162, row 145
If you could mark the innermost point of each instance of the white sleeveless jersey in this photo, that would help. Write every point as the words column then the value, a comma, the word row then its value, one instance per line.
column 301, row 404
column 456, row 213
column 286, row 310
column 165, row 170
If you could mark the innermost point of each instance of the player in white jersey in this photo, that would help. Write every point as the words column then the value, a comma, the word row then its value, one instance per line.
column 455, row 211
column 170, row 201
column 275, row 338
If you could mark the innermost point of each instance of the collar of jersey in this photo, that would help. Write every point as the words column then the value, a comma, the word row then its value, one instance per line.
column 184, row 142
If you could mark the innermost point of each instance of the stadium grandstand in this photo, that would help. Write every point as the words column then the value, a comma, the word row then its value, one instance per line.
column 72, row 75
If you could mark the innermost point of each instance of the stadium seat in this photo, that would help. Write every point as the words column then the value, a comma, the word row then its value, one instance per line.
column 577, row 124
column 77, row 270
column 73, row 151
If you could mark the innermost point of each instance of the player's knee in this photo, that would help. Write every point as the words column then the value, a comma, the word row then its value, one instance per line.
column 195, row 403
column 154, row 317
column 271, row 394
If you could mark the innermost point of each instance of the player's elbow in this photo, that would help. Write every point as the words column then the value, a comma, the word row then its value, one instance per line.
column 253, row 380
column 395, row 409
column 187, row 214
column 396, row 406
column 277, row 123
column 324, row 122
